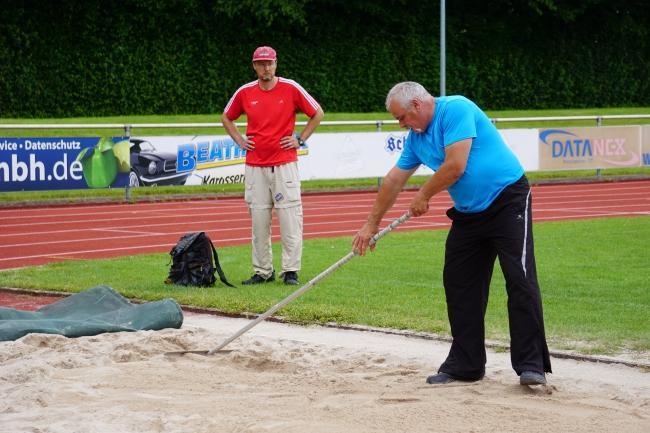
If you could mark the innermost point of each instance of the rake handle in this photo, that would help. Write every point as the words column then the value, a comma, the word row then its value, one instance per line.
column 389, row 228
column 310, row 284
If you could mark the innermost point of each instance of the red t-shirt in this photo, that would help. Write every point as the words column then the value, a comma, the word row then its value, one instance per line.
column 271, row 116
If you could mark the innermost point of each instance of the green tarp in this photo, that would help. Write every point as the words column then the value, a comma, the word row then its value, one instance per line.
column 91, row 312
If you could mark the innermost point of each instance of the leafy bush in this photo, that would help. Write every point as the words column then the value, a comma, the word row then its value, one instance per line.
column 95, row 58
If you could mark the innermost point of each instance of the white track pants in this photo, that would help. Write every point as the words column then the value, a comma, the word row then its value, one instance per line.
column 275, row 187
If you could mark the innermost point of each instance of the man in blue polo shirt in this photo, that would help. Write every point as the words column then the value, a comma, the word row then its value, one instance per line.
column 491, row 218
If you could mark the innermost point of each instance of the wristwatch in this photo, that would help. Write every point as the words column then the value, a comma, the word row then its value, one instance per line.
column 301, row 142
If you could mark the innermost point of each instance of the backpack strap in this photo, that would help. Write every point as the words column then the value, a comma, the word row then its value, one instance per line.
column 222, row 276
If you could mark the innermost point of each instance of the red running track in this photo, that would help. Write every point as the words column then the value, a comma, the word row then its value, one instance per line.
column 38, row 235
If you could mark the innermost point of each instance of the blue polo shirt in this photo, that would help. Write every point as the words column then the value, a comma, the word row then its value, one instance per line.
column 491, row 165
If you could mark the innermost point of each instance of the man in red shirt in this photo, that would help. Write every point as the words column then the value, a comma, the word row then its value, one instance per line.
column 272, row 181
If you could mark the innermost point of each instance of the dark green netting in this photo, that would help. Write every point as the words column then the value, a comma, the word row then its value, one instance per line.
column 91, row 312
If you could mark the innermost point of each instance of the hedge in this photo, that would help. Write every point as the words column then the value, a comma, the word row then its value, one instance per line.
column 68, row 58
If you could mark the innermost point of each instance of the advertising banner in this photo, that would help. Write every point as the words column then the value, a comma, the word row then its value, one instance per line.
column 589, row 147
column 372, row 154
column 42, row 163
column 191, row 159
column 352, row 155
column 74, row 163
column 645, row 145
column 213, row 160
column 523, row 142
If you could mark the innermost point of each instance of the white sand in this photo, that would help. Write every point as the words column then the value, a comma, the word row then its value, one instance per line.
column 287, row 379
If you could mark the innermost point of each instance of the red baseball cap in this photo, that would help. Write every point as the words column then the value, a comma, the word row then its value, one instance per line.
column 264, row 53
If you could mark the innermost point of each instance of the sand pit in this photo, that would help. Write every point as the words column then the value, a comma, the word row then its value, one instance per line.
column 283, row 378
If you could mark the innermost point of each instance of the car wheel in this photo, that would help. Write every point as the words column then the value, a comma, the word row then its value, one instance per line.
column 134, row 180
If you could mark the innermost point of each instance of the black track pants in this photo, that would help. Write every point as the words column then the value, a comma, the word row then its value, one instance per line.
column 503, row 230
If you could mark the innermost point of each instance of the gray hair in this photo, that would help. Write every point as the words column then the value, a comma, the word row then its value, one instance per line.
column 405, row 92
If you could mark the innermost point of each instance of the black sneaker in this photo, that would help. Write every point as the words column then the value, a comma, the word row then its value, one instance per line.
column 440, row 379
column 258, row 279
column 532, row 378
column 291, row 278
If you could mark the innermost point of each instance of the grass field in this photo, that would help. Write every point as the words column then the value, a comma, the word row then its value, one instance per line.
column 596, row 298
column 329, row 117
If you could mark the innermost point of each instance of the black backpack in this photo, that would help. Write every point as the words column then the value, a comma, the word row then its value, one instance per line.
column 194, row 262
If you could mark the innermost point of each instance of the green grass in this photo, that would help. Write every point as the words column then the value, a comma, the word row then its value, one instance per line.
column 570, row 112
column 197, row 118
column 594, row 277
column 216, row 118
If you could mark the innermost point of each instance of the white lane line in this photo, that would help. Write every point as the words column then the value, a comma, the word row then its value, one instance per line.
column 598, row 189
column 215, row 232
column 239, row 209
column 166, row 212
column 127, row 218
column 594, row 210
column 422, row 223
column 588, row 216
column 138, row 233
column 20, row 213
column 95, row 239
column 135, row 208
column 605, row 187
column 309, row 213
column 149, row 247
column 102, row 250
column 324, row 218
